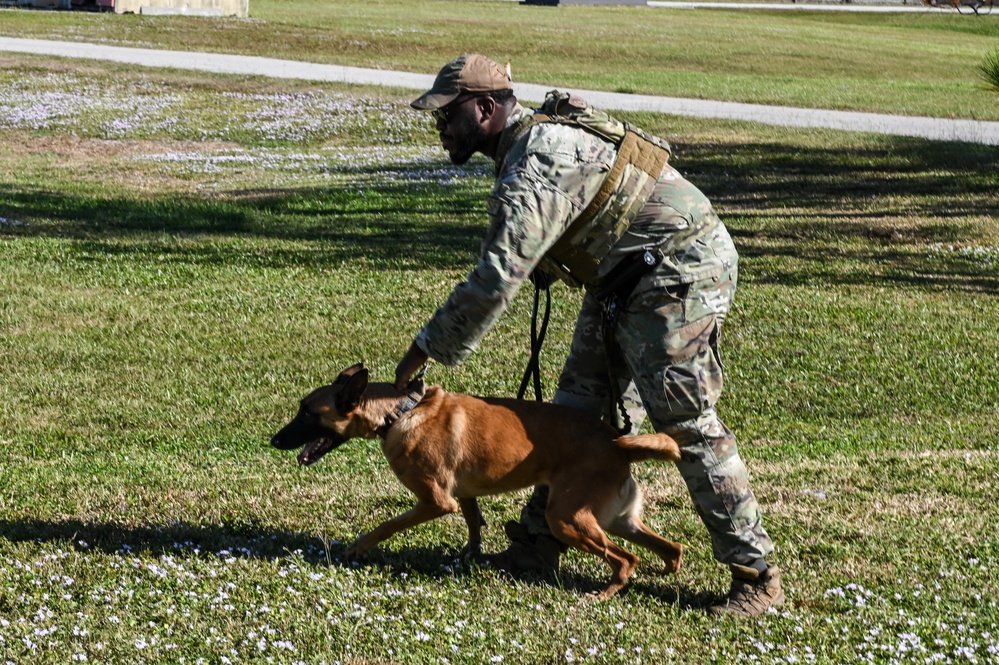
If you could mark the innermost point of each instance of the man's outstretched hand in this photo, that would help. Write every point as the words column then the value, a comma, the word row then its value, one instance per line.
column 414, row 359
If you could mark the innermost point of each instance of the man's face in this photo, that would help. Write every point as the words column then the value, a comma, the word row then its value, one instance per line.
column 460, row 131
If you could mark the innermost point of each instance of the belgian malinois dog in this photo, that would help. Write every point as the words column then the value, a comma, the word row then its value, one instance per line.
column 450, row 448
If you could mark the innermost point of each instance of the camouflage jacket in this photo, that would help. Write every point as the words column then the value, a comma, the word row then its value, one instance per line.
column 546, row 180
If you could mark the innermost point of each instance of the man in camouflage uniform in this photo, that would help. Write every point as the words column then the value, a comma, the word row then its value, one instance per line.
column 655, row 349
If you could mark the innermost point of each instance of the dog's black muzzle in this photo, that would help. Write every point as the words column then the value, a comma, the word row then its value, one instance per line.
column 313, row 441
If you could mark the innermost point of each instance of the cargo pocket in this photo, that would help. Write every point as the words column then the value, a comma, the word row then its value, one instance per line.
column 687, row 379
column 714, row 376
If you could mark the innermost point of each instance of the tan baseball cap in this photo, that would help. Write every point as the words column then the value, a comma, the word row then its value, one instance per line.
column 468, row 73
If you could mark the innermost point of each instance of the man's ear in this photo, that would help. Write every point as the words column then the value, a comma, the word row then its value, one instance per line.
column 487, row 107
column 350, row 394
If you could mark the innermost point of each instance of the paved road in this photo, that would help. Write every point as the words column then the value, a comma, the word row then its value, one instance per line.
column 969, row 131
column 806, row 6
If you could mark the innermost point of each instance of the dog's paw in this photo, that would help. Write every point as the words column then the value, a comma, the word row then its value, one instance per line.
column 608, row 592
column 358, row 548
column 471, row 554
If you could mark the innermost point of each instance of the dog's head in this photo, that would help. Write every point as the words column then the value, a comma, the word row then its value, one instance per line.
column 324, row 418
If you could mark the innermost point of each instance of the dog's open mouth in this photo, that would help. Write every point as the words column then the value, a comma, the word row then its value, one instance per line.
column 314, row 451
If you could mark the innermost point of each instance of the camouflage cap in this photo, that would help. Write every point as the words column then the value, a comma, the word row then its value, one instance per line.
column 468, row 73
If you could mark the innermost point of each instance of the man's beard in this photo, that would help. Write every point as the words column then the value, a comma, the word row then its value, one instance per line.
column 472, row 137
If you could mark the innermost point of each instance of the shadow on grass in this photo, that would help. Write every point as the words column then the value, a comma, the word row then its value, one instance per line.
column 881, row 215
column 386, row 227
column 253, row 541
column 938, row 266
column 935, row 179
column 875, row 209
column 244, row 540
column 212, row 541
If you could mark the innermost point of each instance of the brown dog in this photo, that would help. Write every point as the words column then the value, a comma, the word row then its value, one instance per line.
column 452, row 448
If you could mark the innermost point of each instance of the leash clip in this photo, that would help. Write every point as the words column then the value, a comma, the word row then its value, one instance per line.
column 421, row 372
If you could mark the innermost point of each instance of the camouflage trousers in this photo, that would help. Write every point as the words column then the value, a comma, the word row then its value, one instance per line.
column 667, row 362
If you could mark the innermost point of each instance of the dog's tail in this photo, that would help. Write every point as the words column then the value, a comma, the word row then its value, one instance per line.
column 649, row 446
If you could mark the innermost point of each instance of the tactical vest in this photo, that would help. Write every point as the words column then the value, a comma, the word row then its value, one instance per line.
column 640, row 160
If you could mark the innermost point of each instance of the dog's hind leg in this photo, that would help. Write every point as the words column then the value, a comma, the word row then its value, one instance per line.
column 628, row 524
column 473, row 518
column 434, row 505
column 634, row 530
column 581, row 530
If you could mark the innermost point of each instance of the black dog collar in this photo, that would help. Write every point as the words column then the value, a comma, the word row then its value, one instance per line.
column 407, row 405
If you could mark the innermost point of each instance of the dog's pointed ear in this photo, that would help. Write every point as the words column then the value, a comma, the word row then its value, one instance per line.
column 350, row 371
column 350, row 394
column 347, row 373
column 353, row 369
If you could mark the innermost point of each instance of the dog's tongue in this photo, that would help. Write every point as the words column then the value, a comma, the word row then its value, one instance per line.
column 305, row 457
column 313, row 452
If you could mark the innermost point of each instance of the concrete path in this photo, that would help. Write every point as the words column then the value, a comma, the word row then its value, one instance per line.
column 891, row 8
column 940, row 129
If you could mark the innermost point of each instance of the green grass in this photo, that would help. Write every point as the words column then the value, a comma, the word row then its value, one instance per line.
column 184, row 256
column 912, row 64
column 988, row 70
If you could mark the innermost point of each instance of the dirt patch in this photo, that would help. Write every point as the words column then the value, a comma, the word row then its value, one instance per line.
column 102, row 161
column 87, row 149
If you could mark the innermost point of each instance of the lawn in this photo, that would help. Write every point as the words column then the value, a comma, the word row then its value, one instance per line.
column 185, row 255
column 911, row 64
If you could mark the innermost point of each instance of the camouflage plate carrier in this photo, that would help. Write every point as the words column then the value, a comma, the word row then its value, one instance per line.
column 640, row 160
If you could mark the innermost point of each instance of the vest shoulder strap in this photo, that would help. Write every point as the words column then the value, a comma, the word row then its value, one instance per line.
column 637, row 152
column 643, row 155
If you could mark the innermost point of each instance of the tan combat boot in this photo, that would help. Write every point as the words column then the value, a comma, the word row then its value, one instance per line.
column 752, row 592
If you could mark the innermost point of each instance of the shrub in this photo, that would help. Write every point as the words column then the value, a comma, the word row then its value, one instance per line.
column 989, row 70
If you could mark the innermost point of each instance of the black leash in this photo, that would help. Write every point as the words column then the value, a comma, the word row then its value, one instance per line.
column 617, row 289
column 533, row 371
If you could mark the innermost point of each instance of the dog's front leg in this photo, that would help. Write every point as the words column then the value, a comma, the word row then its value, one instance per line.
column 473, row 518
column 424, row 511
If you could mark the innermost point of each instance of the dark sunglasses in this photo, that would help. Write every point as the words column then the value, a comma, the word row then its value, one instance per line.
column 443, row 114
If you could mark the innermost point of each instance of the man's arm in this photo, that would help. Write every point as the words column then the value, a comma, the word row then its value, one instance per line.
column 531, row 205
column 414, row 359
